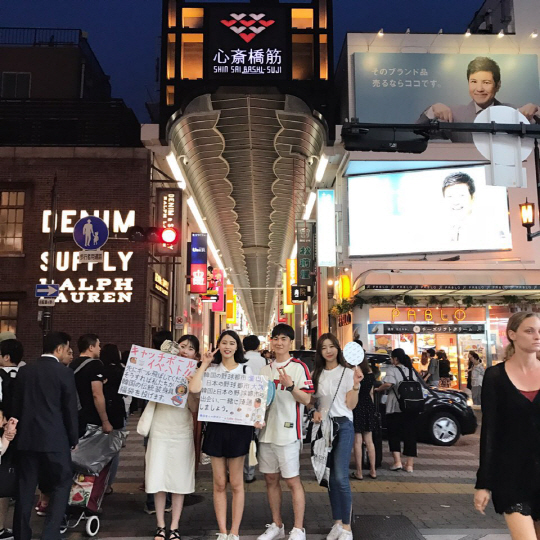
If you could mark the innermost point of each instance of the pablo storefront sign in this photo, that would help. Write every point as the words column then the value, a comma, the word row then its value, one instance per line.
column 246, row 43
column 429, row 314
column 113, row 289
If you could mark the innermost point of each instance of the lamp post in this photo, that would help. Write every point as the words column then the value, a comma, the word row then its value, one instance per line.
column 526, row 209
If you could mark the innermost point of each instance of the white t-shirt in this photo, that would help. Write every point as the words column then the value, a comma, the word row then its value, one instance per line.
column 326, row 390
column 240, row 369
column 255, row 361
column 284, row 418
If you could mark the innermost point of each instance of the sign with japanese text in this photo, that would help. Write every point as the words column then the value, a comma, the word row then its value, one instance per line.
column 199, row 261
column 169, row 214
column 232, row 398
column 157, row 376
column 287, row 307
column 230, row 307
column 378, row 328
column 246, row 42
column 217, row 277
column 404, row 87
column 291, row 279
column 281, row 315
column 305, row 258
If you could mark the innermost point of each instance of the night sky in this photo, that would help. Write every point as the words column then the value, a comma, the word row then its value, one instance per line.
column 124, row 34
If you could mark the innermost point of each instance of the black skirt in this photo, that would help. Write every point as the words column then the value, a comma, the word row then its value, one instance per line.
column 226, row 440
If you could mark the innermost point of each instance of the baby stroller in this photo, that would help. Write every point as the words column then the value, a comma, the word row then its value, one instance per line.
column 92, row 467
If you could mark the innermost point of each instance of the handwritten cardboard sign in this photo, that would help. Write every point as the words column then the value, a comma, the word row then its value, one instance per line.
column 233, row 398
column 157, row 376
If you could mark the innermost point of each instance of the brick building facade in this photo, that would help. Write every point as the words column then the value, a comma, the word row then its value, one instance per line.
column 111, row 299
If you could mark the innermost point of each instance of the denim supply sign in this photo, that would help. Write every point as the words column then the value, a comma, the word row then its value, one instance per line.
column 399, row 88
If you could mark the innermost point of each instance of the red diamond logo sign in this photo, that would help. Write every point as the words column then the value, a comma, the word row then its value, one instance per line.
column 247, row 26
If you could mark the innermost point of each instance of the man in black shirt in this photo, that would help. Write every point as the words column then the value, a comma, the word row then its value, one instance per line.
column 90, row 379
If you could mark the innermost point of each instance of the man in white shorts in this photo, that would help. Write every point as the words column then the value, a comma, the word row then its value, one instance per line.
column 281, row 438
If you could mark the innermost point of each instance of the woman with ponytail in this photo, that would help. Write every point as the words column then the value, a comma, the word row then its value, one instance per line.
column 401, row 425
column 509, row 471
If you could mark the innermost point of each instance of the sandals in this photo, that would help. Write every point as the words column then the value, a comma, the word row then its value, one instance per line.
column 174, row 535
column 161, row 532
column 354, row 476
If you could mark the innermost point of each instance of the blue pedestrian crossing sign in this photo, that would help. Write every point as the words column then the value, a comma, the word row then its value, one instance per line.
column 47, row 290
column 90, row 233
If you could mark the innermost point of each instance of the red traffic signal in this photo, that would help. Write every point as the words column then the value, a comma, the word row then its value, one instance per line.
column 154, row 235
column 169, row 235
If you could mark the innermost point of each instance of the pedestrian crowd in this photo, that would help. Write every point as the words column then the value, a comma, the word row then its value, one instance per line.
column 49, row 404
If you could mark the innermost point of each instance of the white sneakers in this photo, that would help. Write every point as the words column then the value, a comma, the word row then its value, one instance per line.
column 345, row 535
column 233, row 537
column 222, row 536
column 273, row 532
column 335, row 531
column 297, row 534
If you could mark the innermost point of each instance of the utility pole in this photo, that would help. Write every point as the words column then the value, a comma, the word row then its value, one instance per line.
column 47, row 312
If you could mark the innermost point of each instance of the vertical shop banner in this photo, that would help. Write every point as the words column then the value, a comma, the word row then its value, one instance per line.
column 219, row 305
column 281, row 316
column 287, row 308
column 402, row 87
column 230, row 305
column 199, row 262
column 157, row 376
column 305, row 261
column 169, row 214
column 326, row 228
column 291, row 278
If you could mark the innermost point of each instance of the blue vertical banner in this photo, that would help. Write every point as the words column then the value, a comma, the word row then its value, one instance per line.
column 199, row 263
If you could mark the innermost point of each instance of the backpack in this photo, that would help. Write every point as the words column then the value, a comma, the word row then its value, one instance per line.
column 409, row 393
column 8, row 391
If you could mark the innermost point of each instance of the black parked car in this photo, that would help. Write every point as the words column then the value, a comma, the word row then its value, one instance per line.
column 447, row 413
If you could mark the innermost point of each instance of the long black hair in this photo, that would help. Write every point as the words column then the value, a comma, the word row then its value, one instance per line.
column 238, row 354
column 110, row 354
column 402, row 358
column 320, row 362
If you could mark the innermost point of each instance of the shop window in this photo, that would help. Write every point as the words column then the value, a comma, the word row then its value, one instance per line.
column 171, row 56
column 11, row 220
column 192, row 17
column 170, row 95
column 323, row 15
column 302, row 19
column 323, row 54
column 172, row 13
column 302, row 53
column 192, row 56
column 15, row 85
column 8, row 316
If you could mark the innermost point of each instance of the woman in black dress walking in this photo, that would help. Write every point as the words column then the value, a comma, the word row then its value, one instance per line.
column 509, row 469
column 365, row 423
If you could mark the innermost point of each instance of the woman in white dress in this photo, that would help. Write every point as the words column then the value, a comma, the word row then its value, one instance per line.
column 170, row 456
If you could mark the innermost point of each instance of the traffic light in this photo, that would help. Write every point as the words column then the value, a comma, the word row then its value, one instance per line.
column 168, row 236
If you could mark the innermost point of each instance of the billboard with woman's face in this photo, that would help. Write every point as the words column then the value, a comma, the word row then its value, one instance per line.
column 447, row 210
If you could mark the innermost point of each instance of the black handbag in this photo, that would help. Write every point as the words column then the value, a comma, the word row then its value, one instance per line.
column 8, row 476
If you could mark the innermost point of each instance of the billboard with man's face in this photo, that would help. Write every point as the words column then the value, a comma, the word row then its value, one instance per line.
column 407, row 88
column 449, row 210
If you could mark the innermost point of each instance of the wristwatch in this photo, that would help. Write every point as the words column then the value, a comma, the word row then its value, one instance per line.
column 290, row 388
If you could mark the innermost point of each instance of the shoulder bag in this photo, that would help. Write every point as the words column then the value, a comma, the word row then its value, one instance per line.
column 322, row 437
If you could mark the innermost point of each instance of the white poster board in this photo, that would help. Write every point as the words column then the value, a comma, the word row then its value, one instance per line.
column 157, row 376
column 233, row 398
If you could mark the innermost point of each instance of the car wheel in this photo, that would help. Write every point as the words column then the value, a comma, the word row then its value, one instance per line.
column 444, row 429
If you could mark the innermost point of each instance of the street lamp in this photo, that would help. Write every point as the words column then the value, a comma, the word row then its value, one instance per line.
column 526, row 211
